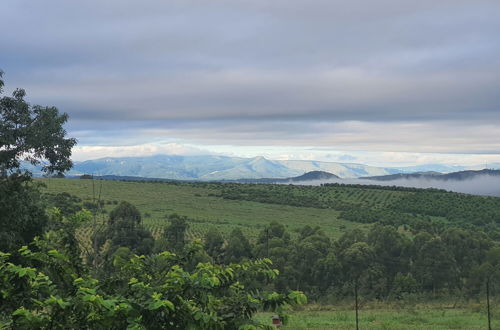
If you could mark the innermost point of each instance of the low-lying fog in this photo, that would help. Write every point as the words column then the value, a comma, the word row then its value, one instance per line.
column 481, row 185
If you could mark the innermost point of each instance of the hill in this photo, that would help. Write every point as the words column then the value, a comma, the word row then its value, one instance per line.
column 314, row 175
column 454, row 176
column 407, row 176
column 306, row 177
column 333, row 207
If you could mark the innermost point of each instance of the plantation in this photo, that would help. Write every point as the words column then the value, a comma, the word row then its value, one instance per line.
column 250, row 207
column 200, row 203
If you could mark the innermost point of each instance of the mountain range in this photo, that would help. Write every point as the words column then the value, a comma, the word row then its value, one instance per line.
column 212, row 167
column 215, row 167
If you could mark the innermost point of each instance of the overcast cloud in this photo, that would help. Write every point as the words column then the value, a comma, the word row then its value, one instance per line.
column 355, row 76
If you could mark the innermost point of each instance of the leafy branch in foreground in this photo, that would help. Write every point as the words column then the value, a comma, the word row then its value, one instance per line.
column 153, row 292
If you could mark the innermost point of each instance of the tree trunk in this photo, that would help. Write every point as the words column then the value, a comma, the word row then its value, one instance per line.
column 94, row 228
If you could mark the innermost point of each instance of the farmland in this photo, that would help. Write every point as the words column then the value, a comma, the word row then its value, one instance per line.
column 199, row 202
column 334, row 208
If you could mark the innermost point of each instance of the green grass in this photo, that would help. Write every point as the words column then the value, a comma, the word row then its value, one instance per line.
column 426, row 317
column 196, row 201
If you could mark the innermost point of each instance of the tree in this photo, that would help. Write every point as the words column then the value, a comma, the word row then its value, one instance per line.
column 124, row 229
column 390, row 253
column 214, row 244
column 468, row 249
column 274, row 230
column 125, row 211
column 32, row 133
column 35, row 134
column 22, row 216
column 357, row 260
column 67, row 203
column 238, row 247
column 489, row 273
column 434, row 266
column 175, row 233
column 313, row 265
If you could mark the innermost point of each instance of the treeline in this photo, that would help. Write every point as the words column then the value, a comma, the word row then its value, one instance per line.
column 388, row 263
column 381, row 187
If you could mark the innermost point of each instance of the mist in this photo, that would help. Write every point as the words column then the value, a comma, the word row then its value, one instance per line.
column 486, row 185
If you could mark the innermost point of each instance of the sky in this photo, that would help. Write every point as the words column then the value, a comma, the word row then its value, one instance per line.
column 386, row 82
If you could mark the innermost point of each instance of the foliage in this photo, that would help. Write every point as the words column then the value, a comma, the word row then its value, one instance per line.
column 124, row 229
column 175, row 234
column 214, row 244
column 152, row 292
column 32, row 133
column 238, row 247
column 67, row 203
column 22, row 216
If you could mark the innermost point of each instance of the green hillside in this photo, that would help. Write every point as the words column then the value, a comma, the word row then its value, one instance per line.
column 335, row 208
column 200, row 202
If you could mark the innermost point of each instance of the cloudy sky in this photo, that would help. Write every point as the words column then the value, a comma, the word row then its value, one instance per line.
column 381, row 82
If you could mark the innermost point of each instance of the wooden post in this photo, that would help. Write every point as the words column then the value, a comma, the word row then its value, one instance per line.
column 357, row 306
column 488, row 301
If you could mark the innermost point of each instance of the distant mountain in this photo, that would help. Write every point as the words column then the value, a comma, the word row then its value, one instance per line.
column 441, row 168
column 314, row 175
column 399, row 176
column 185, row 167
column 306, row 177
column 343, row 170
column 454, row 176
column 214, row 168
column 468, row 175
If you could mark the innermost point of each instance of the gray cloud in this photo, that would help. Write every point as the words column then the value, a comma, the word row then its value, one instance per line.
column 385, row 75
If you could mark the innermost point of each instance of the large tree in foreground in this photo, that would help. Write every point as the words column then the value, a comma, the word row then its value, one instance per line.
column 34, row 134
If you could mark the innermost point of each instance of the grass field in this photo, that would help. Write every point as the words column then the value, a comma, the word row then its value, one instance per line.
column 196, row 201
column 414, row 319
